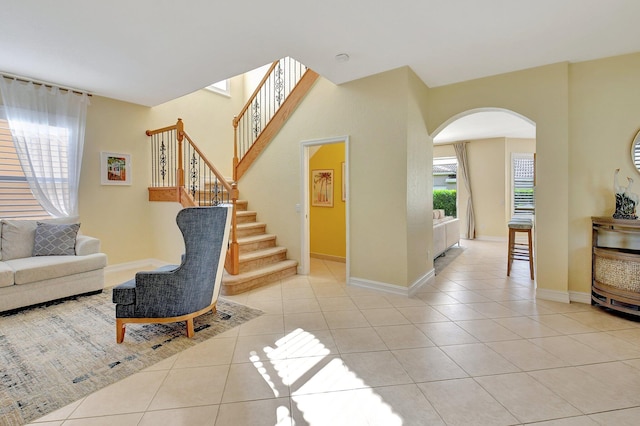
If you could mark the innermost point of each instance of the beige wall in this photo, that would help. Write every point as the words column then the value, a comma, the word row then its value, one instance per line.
column 373, row 112
column 130, row 227
column 542, row 95
column 605, row 100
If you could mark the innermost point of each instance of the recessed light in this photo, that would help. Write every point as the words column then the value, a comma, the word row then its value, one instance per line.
column 342, row 57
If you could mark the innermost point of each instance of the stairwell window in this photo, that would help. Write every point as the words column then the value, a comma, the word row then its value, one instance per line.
column 221, row 87
column 523, row 172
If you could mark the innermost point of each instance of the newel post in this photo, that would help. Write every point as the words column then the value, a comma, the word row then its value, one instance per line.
column 180, row 136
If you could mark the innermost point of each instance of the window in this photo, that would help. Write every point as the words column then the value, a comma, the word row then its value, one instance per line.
column 523, row 183
column 17, row 200
column 221, row 87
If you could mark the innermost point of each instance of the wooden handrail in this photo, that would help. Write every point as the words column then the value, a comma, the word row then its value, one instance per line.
column 164, row 129
column 215, row 171
column 244, row 109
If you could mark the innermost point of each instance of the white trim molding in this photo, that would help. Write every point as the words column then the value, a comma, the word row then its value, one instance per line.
column 580, row 297
column 391, row 288
column 553, row 295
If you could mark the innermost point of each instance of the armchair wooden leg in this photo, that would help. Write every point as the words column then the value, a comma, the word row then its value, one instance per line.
column 120, row 329
column 190, row 331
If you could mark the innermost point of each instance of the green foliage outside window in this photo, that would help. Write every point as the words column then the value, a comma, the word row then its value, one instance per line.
column 445, row 199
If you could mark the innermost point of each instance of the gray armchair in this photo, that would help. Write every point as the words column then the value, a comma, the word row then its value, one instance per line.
column 183, row 292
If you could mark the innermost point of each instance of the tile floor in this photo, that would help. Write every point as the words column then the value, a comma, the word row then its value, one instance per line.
column 473, row 348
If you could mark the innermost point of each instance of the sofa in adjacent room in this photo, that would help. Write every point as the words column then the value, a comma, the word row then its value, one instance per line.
column 446, row 232
column 41, row 261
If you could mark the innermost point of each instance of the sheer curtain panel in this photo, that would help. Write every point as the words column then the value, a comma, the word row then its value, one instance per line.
column 47, row 125
column 463, row 172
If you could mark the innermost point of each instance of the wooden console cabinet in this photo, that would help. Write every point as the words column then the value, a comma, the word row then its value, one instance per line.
column 615, row 267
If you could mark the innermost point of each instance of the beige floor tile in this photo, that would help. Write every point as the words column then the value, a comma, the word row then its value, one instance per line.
column 313, row 375
column 328, row 304
column 188, row 387
column 437, row 298
column 569, row 421
column 609, row 345
column 403, row 301
column 500, row 295
column 526, row 356
column 570, row 350
column 360, row 407
column 210, row 352
column 526, row 327
column 630, row 335
column 120, row 420
column 421, row 314
column 298, row 306
column 493, row 310
column 622, row 375
column 345, row 319
column 139, row 390
column 324, row 289
column 366, row 366
column 459, row 312
column 480, row 408
column 526, row 307
column 403, row 337
column 265, row 324
column 256, row 380
column 446, row 333
column 487, row 330
column 384, row 316
column 61, row 413
column 371, row 302
column 428, row 364
column 563, row 324
column 525, row 398
column 268, row 306
column 478, row 359
column 260, row 347
column 601, row 320
column 409, row 404
column 265, row 412
column 297, row 293
column 357, row 340
column 192, row 416
column 583, row 391
column 306, row 321
column 628, row 417
column 165, row 364
column 467, row 296
column 304, row 343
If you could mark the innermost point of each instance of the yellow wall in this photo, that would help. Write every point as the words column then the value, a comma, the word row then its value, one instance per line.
column 327, row 225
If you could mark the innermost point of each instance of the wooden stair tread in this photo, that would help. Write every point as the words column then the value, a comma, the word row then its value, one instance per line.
column 255, row 238
column 246, row 212
column 250, row 225
column 256, row 254
column 228, row 279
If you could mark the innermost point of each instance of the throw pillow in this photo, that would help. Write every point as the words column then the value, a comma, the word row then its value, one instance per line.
column 17, row 238
column 55, row 239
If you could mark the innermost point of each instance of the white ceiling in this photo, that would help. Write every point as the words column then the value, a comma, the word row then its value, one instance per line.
column 485, row 125
column 151, row 51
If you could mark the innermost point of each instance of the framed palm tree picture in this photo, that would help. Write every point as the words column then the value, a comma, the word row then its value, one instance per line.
column 322, row 188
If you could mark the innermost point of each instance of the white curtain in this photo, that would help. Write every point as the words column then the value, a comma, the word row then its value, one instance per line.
column 47, row 125
column 463, row 172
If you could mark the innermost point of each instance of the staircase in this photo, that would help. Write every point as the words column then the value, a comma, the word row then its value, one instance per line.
column 181, row 173
column 261, row 260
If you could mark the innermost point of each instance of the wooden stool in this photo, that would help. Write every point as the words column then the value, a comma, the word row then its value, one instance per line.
column 520, row 251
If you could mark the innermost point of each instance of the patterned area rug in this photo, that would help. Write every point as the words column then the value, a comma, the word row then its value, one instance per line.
column 53, row 355
column 440, row 263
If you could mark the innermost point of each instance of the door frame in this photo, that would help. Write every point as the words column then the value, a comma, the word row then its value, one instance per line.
column 304, row 206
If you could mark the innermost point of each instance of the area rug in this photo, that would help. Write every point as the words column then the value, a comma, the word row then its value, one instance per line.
column 441, row 263
column 53, row 355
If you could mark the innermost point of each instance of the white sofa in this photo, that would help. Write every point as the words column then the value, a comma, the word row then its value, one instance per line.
column 446, row 232
column 29, row 277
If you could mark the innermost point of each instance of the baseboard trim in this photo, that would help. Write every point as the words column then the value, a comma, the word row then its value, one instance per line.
column 328, row 257
column 580, row 297
column 391, row 288
column 553, row 295
column 136, row 264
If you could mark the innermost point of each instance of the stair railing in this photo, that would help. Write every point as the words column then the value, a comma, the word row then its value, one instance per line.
column 181, row 172
column 256, row 116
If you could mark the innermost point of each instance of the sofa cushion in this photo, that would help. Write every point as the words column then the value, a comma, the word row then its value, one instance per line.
column 53, row 239
column 32, row 269
column 6, row 275
column 17, row 238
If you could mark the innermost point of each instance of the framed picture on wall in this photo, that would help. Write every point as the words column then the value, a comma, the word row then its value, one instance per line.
column 322, row 188
column 115, row 169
